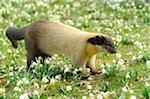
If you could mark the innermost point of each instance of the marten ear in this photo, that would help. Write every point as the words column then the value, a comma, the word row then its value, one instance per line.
column 96, row 40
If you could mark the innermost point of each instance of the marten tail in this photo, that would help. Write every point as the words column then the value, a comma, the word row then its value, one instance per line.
column 14, row 34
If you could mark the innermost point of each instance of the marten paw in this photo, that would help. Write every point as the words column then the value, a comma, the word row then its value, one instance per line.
column 94, row 73
column 94, row 70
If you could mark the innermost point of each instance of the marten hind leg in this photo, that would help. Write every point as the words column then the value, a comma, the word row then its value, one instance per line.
column 31, row 52
column 30, row 58
column 44, row 56
column 91, row 64
column 39, row 53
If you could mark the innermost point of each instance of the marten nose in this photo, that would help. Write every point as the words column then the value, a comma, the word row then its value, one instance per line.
column 114, row 51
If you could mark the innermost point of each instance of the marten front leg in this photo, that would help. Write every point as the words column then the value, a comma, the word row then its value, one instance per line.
column 81, row 63
column 91, row 65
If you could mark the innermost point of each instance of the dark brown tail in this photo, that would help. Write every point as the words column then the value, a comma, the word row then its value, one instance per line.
column 14, row 34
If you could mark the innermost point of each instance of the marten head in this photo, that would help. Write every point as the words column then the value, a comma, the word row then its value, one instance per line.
column 103, row 42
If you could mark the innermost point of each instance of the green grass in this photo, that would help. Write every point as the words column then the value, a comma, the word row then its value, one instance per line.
column 127, row 21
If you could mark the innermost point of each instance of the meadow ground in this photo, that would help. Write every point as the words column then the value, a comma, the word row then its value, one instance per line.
column 124, row 75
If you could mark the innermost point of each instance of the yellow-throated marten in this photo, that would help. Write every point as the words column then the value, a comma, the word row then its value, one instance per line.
column 45, row 38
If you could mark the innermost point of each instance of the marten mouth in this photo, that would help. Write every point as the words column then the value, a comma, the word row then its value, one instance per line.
column 111, row 50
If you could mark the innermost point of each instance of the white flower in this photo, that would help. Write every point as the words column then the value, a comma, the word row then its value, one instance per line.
column 36, row 92
column 4, row 43
column 84, row 97
column 147, row 84
column 91, row 95
column 80, row 69
column 16, row 51
column 148, row 63
column 89, row 87
column 11, row 74
column 20, row 68
column 52, row 80
column 58, row 77
column 119, row 38
column 66, row 69
column 133, row 58
column 12, row 62
column 2, row 90
column 74, row 72
column 3, row 57
column 108, row 65
column 77, row 4
column 33, row 64
column 118, row 55
column 40, row 65
column 144, row 46
column 131, row 91
column 10, row 68
column 104, row 71
column 113, row 61
column 47, row 61
column 133, row 97
column 55, row 55
column 99, row 96
column 24, row 60
column 124, row 89
column 49, row 97
column 135, row 17
column 103, row 66
column 128, row 75
column 88, row 70
column 121, row 62
column 34, row 71
column 108, row 95
column 1, row 39
column 45, row 80
column 61, row 62
column 24, row 96
column 9, row 51
column 25, row 80
column 140, row 56
column 19, row 82
column 36, row 85
column 138, row 44
column 68, row 88
column 17, row 89
column 70, row 22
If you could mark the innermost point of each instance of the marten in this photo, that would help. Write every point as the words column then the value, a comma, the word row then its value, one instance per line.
column 45, row 38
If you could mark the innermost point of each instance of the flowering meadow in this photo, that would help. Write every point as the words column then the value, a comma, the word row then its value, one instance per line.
column 124, row 75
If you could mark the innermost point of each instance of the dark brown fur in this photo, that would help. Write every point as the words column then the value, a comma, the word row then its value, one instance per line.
column 33, row 52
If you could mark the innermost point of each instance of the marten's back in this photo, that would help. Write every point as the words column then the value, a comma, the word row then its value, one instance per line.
column 52, row 37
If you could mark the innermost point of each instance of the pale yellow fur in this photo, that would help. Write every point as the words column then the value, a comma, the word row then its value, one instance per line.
column 57, row 38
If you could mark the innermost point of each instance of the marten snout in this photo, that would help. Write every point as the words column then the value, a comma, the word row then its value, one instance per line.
column 113, row 51
column 110, row 48
column 104, row 42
